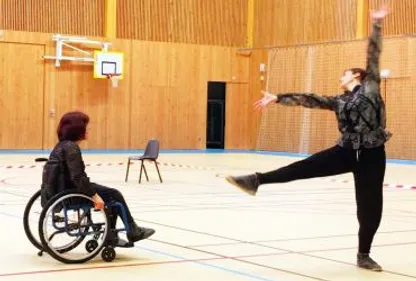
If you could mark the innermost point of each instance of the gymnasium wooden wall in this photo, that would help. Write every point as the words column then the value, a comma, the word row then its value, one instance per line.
column 289, row 22
column 316, row 68
column 214, row 22
column 303, row 130
column 276, row 22
column 167, row 30
column 402, row 20
column 292, row 22
column 77, row 17
column 164, row 94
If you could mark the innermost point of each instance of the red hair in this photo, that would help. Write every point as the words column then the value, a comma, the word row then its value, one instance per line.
column 73, row 126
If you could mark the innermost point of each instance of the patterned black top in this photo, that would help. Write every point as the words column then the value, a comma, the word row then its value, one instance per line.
column 74, row 167
column 361, row 113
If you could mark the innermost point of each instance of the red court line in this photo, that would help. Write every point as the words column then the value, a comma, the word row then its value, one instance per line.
column 130, row 265
column 101, row 164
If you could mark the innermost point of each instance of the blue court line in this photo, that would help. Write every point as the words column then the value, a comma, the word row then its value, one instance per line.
column 10, row 215
column 241, row 273
column 208, row 265
column 401, row 162
column 281, row 153
column 129, row 151
column 302, row 155
column 191, row 151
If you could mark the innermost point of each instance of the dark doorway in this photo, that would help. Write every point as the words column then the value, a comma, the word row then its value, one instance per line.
column 216, row 115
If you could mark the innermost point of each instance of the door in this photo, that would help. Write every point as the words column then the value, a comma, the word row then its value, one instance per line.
column 216, row 115
column 21, row 96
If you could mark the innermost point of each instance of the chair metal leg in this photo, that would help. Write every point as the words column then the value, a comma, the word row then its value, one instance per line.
column 127, row 171
column 158, row 172
column 145, row 172
column 141, row 169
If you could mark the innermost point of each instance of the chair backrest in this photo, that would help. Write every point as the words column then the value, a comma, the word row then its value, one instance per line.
column 152, row 149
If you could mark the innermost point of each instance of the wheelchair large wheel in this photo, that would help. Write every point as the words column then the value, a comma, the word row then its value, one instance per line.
column 31, row 220
column 81, row 231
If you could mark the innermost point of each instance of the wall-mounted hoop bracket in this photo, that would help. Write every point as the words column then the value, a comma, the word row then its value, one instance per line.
column 68, row 41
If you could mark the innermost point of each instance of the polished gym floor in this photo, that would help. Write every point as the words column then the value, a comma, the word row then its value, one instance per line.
column 207, row 229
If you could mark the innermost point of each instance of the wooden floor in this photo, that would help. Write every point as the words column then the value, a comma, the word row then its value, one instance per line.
column 208, row 230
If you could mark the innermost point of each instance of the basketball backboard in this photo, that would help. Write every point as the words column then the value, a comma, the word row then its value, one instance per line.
column 108, row 63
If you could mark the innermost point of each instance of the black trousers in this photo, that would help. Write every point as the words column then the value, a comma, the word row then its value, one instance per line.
column 368, row 167
column 110, row 194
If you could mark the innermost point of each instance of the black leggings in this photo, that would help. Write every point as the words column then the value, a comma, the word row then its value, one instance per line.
column 111, row 194
column 368, row 167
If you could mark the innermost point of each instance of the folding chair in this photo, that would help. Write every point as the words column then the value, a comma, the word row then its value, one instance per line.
column 151, row 153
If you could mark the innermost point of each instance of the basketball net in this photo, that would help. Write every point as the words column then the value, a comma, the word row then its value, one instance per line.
column 113, row 78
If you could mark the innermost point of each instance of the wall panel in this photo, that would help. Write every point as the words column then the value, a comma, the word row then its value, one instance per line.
column 217, row 22
column 169, row 97
column 288, row 22
column 401, row 20
column 76, row 17
column 163, row 94
column 316, row 68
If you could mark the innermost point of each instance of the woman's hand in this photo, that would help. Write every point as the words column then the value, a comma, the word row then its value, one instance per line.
column 98, row 202
column 381, row 13
column 265, row 100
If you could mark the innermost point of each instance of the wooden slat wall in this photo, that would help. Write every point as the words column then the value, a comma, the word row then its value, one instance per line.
column 77, row 17
column 401, row 116
column 305, row 130
column 317, row 68
column 163, row 95
column 277, row 22
column 257, row 83
column 169, row 97
column 239, row 116
column 164, row 92
column 215, row 22
column 288, row 22
column 402, row 19
column 72, row 87
column 285, row 23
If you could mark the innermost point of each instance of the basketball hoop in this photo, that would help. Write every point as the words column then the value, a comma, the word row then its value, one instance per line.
column 113, row 78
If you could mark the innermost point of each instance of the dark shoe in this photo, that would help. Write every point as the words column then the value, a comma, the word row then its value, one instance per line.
column 364, row 261
column 249, row 184
column 139, row 233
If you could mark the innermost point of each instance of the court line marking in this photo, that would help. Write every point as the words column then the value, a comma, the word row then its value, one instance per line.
column 237, row 272
column 280, row 249
column 301, row 253
column 199, row 167
column 272, row 248
column 295, row 239
column 135, row 265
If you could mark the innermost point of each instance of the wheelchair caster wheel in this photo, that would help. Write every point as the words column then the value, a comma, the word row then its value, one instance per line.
column 108, row 254
column 91, row 246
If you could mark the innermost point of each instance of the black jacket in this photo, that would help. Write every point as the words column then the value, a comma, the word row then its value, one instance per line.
column 73, row 165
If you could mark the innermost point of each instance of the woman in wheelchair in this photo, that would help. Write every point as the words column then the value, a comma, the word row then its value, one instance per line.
column 72, row 129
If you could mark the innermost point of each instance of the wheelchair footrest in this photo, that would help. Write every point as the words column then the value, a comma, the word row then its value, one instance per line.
column 120, row 243
column 125, row 244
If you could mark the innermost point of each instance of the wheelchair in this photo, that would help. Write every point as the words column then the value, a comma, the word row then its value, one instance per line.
column 70, row 230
